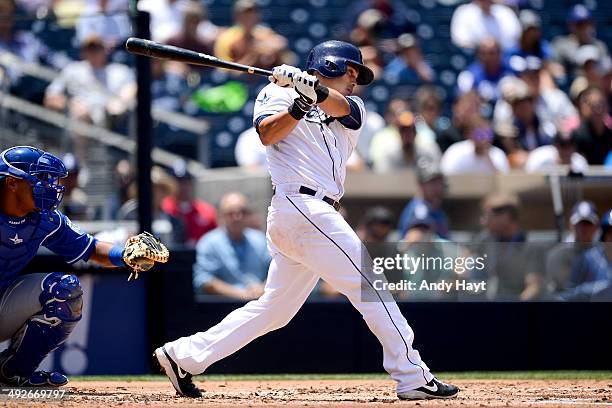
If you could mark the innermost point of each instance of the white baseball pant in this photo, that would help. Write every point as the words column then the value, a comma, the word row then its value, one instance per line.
column 308, row 240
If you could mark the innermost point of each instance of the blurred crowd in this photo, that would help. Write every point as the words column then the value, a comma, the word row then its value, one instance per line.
column 521, row 100
column 518, row 99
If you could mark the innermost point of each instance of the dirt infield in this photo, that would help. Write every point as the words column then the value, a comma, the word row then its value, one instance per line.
column 327, row 393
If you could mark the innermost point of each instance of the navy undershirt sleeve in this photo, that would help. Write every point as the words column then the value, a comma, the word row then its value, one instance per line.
column 353, row 119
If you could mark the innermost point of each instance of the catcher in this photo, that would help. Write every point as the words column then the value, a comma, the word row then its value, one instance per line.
column 38, row 311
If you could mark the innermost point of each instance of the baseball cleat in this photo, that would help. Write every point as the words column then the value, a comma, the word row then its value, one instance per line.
column 37, row 379
column 180, row 379
column 431, row 390
column 48, row 379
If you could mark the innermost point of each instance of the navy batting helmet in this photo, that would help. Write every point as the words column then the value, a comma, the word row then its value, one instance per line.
column 41, row 169
column 331, row 58
column 606, row 224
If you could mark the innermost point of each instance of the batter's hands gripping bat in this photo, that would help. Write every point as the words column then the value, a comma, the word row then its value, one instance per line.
column 154, row 49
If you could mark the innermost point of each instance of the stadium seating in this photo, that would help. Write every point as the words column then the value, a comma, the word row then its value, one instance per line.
column 307, row 23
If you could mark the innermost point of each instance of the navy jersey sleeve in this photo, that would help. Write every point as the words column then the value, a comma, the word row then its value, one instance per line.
column 353, row 120
column 69, row 241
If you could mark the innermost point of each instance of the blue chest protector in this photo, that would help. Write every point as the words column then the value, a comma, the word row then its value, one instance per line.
column 20, row 239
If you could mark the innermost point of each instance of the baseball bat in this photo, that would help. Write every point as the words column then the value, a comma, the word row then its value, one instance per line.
column 154, row 49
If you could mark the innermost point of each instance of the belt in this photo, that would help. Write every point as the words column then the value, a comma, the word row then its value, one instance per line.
column 311, row 192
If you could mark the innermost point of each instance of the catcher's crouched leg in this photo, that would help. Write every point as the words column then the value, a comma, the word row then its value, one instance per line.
column 62, row 303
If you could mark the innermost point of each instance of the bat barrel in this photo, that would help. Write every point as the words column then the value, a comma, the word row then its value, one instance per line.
column 153, row 49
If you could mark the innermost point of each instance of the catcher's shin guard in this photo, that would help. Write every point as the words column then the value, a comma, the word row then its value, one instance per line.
column 62, row 303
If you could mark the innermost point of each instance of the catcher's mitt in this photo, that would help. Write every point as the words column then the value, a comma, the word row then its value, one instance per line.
column 142, row 251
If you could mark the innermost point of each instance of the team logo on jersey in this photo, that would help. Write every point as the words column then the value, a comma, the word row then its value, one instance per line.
column 73, row 227
column 264, row 99
column 16, row 240
column 16, row 222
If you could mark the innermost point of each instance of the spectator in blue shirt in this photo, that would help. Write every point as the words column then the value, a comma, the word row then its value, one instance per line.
column 531, row 42
column 561, row 259
column 591, row 277
column 408, row 66
column 592, row 274
column 484, row 75
column 431, row 194
column 232, row 260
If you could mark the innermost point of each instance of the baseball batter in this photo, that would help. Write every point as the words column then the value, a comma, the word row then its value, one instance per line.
column 309, row 123
column 38, row 311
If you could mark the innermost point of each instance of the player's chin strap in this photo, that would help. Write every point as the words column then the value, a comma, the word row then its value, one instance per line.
column 62, row 303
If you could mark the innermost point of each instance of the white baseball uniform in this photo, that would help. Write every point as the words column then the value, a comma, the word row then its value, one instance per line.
column 308, row 240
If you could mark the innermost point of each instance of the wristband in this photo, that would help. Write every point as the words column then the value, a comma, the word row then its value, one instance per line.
column 115, row 256
column 322, row 93
column 299, row 108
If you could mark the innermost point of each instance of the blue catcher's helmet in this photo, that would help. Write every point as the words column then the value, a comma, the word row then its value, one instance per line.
column 331, row 58
column 606, row 224
column 41, row 169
